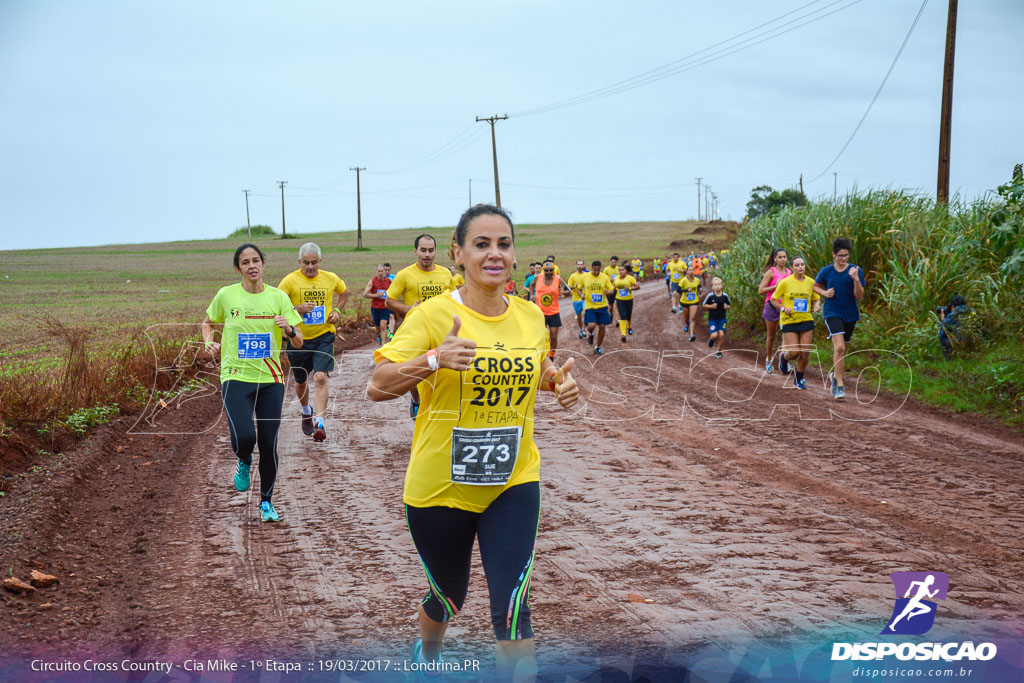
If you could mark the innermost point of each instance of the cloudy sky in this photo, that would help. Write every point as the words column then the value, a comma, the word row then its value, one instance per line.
column 134, row 122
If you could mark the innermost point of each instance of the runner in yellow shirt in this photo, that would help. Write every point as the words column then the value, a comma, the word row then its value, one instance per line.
column 624, row 284
column 415, row 284
column 574, row 283
column 313, row 293
column 689, row 295
column 595, row 288
column 612, row 271
column 637, row 265
column 457, row 279
column 793, row 297
column 474, row 472
column 675, row 270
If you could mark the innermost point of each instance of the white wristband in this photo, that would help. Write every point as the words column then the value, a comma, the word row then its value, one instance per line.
column 432, row 360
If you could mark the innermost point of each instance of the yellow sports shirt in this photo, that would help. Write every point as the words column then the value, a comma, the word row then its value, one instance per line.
column 412, row 284
column 796, row 296
column 594, row 288
column 690, row 287
column 320, row 292
column 676, row 270
column 575, row 281
column 624, row 287
column 474, row 433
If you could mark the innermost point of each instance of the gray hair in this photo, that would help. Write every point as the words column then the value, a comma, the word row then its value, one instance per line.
column 309, row 248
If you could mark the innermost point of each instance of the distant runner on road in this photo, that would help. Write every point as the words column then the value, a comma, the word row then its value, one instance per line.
column 376, row 291
column 716, row 303
column 252, row 317
column 689, row 298
column 595, row 288
column 674, row 271
column 624, row 284
column 575, row 282
column 415, row 284
column 312, row 291
column 474, row 474
column 547, row 288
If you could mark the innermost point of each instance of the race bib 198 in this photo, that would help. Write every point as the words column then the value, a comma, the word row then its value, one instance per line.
column 253, row 345
column 318, row 316
column 484, row 457
column 799, row 305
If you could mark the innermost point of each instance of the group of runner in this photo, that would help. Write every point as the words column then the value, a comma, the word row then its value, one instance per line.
column 791, row 299
column 473, row 359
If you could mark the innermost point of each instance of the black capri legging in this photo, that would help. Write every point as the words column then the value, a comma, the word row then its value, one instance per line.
column 506, row 531
column 625, row 308
column 244, row 401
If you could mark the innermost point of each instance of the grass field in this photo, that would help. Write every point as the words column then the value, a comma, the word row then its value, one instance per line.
column 113, row 290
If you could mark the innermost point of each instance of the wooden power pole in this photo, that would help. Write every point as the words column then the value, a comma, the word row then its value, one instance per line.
column 359, row 209
column 698, row 197
column 942, row 191
column 494, row 151
column 282, row 183
column 248, row 224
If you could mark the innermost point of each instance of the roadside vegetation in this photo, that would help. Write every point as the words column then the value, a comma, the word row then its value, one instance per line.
column 916, row 256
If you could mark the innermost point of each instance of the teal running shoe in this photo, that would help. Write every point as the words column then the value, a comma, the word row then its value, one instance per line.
column 242, row 478
column 268, row 513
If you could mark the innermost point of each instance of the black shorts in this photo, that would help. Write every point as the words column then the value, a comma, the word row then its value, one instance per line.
column 553, row 320
column 805, row 326
column 316, row 355
column 836, row 325
column 379, row 314
column 625, row 307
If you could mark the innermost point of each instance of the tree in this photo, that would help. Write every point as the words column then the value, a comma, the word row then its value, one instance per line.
column 765, row 200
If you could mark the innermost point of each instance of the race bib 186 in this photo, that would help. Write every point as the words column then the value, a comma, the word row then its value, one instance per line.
column 484, row 457
column 799, row 305
column 318, row 316
column 253, row 345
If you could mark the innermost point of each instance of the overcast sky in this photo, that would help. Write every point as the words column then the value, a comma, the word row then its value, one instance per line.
column 143, row 121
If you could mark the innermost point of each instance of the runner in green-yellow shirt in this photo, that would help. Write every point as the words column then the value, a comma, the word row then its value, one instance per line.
column 252, row 317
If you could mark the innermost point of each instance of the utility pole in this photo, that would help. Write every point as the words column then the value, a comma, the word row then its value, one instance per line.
column 802, row 200
column 359, row 209
column 282, row 183
column 835, row 185
column 942, row 191
column 707, row 207
column 714, row 206
column 698, row 197
column 494, row 151
column 248, row 225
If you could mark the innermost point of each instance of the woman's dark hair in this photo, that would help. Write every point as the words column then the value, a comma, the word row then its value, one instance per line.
column 476, row 211
column 238, row 252
column 957, row 301
column 629, row 268
column 771, row 259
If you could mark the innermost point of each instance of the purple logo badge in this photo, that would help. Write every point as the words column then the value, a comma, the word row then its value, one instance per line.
column 914, row 612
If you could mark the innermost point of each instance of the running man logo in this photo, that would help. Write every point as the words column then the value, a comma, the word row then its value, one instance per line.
column 235, row 312
column 914, row 612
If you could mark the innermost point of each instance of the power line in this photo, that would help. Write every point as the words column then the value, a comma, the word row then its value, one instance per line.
column 877, row 93
column 698, row 58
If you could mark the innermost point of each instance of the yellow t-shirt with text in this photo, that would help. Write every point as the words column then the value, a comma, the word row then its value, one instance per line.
column 797, row 297
column 594, row 288
column 676, row 270
column 320, row 292
column 412, row 284
column 575, row 281
column 691, row 290
column 469, row 422
column 624, row 287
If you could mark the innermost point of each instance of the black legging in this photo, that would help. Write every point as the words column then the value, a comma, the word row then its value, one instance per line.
column 242, row 402
column 506, row 531
column 625, row 307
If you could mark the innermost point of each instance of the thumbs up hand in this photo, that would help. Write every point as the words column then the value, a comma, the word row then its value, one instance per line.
column 566, row 390
column 455, row 353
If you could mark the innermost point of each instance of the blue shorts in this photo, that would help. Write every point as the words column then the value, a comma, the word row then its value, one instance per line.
column 577, row 306
column 716, row 325
column 676, row 287
column 598, row 316
column 379, row 314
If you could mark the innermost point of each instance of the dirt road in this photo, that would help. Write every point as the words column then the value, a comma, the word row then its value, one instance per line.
column 743, row 508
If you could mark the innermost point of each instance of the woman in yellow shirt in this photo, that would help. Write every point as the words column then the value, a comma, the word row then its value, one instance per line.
column 793, row 297
column 624, row 285
column 479, row 359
